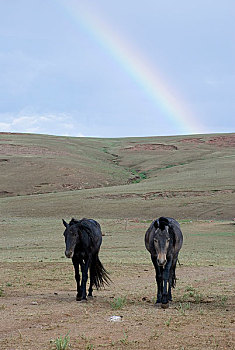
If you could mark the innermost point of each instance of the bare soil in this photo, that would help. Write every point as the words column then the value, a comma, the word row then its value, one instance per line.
column 165, row 194
column 39, row 306
column 219, row 141
column 151, row 147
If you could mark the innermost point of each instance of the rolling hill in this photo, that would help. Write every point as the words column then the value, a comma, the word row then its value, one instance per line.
column 181, row 176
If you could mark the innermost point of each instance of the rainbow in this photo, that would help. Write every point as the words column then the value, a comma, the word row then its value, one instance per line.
column 166, row 99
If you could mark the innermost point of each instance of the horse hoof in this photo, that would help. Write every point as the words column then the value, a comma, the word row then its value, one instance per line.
column 78, row 298
column 90, row 296
column 83, row 300
column 165, row 306
column 157, row 305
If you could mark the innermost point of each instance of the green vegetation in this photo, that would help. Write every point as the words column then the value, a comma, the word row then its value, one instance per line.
column 183, row 307
column 62, row 343
column 118, row 303
column 223, row 299
column 168, row 322
column 193, row 180
column 138, row 176
column 192, row 295
column 88, row 344
column 47, row 178
column 124, row 340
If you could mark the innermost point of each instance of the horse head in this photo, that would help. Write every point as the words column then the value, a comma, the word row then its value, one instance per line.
column 162, row 240
column 71, row 235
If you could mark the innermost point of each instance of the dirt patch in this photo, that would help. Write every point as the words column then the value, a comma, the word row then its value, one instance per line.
column 10, row 133
column 5, row 193
column 220, row 141
column 165, row 194
column 39, row 306
column 151, row 147
column 192, row 140
column 11, row 149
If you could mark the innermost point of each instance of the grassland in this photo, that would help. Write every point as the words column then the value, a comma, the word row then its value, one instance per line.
column 183, row 177
column 37, row 302
column 124, row 184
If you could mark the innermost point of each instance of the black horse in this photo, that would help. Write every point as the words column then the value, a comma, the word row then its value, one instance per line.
column 83, row 239
column 163, row 240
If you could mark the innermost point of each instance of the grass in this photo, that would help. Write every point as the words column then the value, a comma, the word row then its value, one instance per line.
column 125, row 257
column 69, row 170
column 192, row 295
column 138, row 176
column 30, row 240
column 168, row 322
column 118, row 303
column 62, row 343
column 183, row 307
column 223, row 300
column 88, row 344
column 47, row 186
column 124, row 340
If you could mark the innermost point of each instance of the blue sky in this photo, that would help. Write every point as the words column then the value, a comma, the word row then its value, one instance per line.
column 60, row 76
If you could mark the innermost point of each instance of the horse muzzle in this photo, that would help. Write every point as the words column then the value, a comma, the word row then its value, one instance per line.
column 161, row 260
column 69, row 253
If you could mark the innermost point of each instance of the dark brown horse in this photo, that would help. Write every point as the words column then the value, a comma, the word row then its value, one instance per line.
column 83, row 239
column 163, row 240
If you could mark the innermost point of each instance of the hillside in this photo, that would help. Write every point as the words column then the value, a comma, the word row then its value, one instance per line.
column 182, row 176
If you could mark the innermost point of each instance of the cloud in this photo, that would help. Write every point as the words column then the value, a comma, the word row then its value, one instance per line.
column 4, row 126
column 45, row 123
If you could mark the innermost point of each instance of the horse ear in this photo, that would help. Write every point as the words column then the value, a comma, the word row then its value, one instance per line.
column 156, row 224
column 65, row 223
column 163, row 222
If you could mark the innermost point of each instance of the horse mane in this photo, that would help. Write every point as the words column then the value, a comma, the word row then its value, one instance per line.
column 82, row 225
column 172, row 234
column 163, row 222
column 75, row 221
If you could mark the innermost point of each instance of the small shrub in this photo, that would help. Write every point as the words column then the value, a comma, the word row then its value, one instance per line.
column 118, row 303
column 62, row 343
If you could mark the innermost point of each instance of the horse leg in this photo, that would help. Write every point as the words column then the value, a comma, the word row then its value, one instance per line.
column 158, row 280
column 159, row 286
column 90, row 290
column 77, row 278
column 166, row 275
column 172, row 278
column 169, row 291
column 84, row 268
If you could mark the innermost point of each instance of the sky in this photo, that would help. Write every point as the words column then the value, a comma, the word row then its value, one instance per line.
column 117, row 68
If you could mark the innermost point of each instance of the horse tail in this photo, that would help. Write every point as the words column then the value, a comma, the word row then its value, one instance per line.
column 173, row 276
column 99, row 275
column 173, row 281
